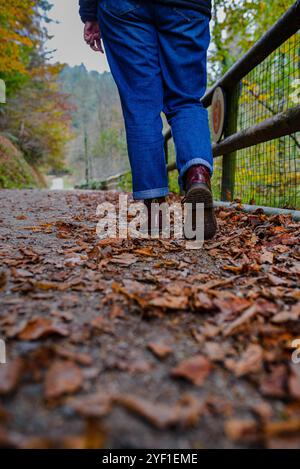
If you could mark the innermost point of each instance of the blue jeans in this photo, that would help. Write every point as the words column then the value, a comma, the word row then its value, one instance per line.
column 158, row 57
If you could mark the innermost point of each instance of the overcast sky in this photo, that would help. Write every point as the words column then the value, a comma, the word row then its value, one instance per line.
column 68, row 40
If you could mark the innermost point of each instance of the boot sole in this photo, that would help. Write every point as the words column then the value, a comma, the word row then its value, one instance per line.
column 200, row 193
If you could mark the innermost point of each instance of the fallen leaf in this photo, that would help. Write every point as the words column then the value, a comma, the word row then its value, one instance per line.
column 60, row 286
column 39, row 327
column 116, row 312
column 148, row 252
column 21, row 273
column 231, row 307
column 108, row 242
column 210, row 330
column 72, row 355
column 10, row 376
column 240, row 321
column 241, row 430
column 266, row 257
column 251, row 361
column 124, row 259
column 194, row 369
column 100, row 324
column 63, row 377
column 92, row 406
column 285, row 316
column 202, row 302
column 159, row 349
column 282, row 428
column 186, row 412
column 214, row 351
column 170, row 302
column 275, row 280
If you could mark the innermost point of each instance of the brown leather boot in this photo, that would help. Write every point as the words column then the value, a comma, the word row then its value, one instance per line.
column 198, row 190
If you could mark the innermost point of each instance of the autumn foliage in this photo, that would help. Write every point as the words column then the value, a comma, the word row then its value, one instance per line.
column 37, row 115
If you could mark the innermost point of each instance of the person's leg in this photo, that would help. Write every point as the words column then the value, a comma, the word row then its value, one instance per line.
column 131, row 45
column 183, row 42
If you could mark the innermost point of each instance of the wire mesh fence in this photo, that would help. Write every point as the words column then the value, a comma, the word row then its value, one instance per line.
column 268, row 173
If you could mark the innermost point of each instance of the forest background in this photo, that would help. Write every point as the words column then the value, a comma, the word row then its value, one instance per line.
column 51, row 126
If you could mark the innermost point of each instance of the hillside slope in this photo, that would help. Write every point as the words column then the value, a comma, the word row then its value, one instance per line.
column 15, row 172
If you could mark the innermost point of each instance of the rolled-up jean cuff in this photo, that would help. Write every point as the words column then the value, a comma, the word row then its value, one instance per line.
column 151, row 193
column 193, row 163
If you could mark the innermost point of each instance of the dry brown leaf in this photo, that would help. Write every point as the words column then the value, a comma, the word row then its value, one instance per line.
column 243, row 268
column 10, row 376
column 76, row 283
column 116, row 312
column 160, row 349
column 230, row 307
column 285, row 427
column 214, row 351
column 139, row 366
column 117, row 288
column 275, row 280
column 266, row 257
column 170, row 302
column 241, row 430
column 73, row 355
column 240, row 321
column 147, row 251
column 251, row 361
column 194, row 369
column 63, row 377
column 210, row 330
column 21, row 273
column 186, row 412
column 202, row 302
column 40, row 327
column 108, row 242
column 100, row 323
column 124, row 259
column 285, row 316
column 92, row 406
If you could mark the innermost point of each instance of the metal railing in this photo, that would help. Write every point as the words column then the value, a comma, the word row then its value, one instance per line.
column 258, row 158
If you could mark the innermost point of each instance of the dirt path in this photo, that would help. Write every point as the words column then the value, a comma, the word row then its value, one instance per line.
column 140, row 344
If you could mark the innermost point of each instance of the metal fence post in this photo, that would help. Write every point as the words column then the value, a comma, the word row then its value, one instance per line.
column 229, row 160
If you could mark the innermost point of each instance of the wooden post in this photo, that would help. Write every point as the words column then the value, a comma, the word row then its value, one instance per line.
column 229, row 160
